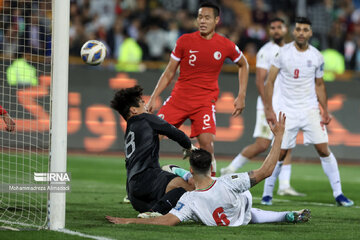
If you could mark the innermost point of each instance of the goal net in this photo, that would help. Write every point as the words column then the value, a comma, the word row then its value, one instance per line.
column 26, row 70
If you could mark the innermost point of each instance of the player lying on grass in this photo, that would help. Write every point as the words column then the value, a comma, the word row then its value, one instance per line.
column 224, row 201
column 149, row 188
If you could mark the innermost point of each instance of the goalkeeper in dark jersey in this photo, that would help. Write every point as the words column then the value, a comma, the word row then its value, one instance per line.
column 149, row 188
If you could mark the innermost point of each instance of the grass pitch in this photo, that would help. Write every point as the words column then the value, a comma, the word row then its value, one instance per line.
column 98, row 189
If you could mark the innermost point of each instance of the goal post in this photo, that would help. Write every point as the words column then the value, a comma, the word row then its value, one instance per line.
column 59, row 105
column 34, row 53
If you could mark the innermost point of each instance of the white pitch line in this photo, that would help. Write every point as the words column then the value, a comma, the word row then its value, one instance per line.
column 308, row 203
column 67, row 231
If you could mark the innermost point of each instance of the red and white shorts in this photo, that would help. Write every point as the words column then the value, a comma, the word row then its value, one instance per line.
column 202, row 116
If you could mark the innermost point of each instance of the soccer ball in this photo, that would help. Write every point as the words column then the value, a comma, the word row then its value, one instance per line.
column 93, row 52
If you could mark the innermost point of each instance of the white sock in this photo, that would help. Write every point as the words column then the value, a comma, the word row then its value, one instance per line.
column 213, row 164
column 270, row 181
column 262, row 216
column 330, row 167
column 284, row 177
column 239, row 161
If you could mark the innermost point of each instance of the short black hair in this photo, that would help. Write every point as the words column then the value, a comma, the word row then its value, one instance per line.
column 200, row 161
column 212, row 5
column 303, row 20
column 276, row 19
column 126, row 98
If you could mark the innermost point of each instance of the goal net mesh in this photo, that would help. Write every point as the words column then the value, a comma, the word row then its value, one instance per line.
column 25, row 66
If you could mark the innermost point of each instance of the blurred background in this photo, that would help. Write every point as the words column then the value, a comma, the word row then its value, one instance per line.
column 139, row 36
column 156, row 24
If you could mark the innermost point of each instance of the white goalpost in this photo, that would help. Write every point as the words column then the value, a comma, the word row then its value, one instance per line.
column 59, row 106
column 34, row 46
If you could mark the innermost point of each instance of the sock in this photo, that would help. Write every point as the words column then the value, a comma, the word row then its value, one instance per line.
column 239, row 161
column 284, row 177
column 330, row 167
column 262, row 216
column 184, row 174
column 270, row 181
column 168, row 201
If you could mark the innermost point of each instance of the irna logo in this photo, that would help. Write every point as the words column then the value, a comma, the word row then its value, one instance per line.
column 52, row 177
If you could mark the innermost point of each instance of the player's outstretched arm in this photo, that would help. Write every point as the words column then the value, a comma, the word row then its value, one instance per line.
column 269, row 164
column 164, row 128
column 239, row 103
column 167, row 220
column 10, row 124
column 269, row 90
column 163, row 82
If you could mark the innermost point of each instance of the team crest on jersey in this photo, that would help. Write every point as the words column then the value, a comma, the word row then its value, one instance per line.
column 179, row 206
column 309, row 63
column 217, row 55
column 234, row 176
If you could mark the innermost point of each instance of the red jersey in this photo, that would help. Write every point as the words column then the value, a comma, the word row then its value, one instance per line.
column 201, row 61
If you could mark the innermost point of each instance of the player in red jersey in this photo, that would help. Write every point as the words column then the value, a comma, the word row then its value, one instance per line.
column 200, row 56
column 10, row 124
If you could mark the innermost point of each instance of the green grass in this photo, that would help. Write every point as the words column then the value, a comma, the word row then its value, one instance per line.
column 98, row 188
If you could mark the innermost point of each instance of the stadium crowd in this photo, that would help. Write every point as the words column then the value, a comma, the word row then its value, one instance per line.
column 156, row 24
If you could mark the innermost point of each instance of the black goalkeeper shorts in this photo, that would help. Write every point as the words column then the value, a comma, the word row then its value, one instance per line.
column 146, row 188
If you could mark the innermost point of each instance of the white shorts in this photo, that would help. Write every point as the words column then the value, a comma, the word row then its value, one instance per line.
column 309, row 122
column 262, row 128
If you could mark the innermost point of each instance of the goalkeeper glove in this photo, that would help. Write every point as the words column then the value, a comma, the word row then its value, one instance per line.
column 187, row 152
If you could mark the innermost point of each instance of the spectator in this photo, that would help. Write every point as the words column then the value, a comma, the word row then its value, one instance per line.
column 78, row 36
column 334, row 64
column 130, row 55
column 173, row 34
column 115, row 37
column 9, row 45
column 242, row 21
column 319, row 15
column 36, row 35
column 105, row 12
column 156, row 40
column 21, row 73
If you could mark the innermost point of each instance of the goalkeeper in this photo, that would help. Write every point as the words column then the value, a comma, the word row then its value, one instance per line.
column 149, row 188
column 225, row 201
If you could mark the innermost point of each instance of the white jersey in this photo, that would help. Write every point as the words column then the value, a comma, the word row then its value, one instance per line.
column 226, row 202
column 264, row 59
column 296, row 77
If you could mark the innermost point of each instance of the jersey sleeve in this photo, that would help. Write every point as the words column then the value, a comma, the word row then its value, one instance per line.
column 182, row 210
column 261, row 60
column 238, row 182
column 178, row 51
column 234, row 54
column 164, row 128
column 319, row 72
column 277, row 59
column 2, row 110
